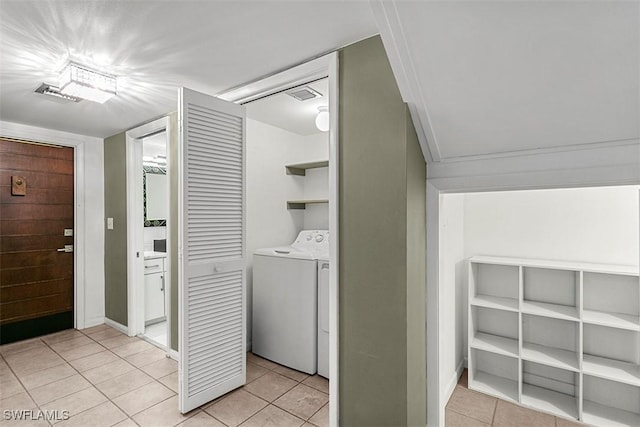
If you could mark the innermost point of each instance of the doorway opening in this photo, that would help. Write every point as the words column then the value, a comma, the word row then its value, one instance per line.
column 148, row 233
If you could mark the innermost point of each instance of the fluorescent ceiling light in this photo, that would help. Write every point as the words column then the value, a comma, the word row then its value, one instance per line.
column 81, row 82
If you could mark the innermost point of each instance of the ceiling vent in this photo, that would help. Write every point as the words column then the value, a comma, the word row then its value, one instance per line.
column 304, row 93
column 47, row 89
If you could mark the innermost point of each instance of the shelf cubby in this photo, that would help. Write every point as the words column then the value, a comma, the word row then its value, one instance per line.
column 610, row 403
column 494, row 331
column 611, row 300
column 300, row 169
column 551, row 292
column 558, row 349
column 494, row 286
column 302, row 203
column 570, row 330
column 494, row 374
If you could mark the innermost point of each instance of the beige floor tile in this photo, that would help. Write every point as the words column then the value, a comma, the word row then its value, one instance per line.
column 146, row 357
column 142, row 398
column 510, row 415
column 302, row 401
column 77, row 402
column 126, row 423
column 464, row 379
column 270, row 386
column 118, row 341
column 108, row 371
column 318, row 382
column 58, row 389
column 454, row 419
column 20, row 346
column 472, row 404
column 103, row 415
column 236, row 407
column 255, row 372
column 161, row 368
column 10, row 386
column 97, row 328
column 122, row 384
column 93, row 361
column 171, row 381
column 61, row 336
column 201, row 419
column 29, row 361
column 291, row 373
column 257, row 360
column 132, row 348
column 72, row 343
column 163, row 414
column 46, row 376
column 105, row 334
column 321, row 418
column 24, row 423
column 17, row 401
column 80, row 352
column 273, row 417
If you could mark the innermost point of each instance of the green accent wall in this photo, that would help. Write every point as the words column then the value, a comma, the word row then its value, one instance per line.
column 382, row 209
column 115, row 241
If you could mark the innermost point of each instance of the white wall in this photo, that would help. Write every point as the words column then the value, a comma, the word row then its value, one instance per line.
column 599, row 225
column 89, row 208
column 269, row 223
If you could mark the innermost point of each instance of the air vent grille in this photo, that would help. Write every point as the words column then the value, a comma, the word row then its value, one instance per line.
column 304, row 93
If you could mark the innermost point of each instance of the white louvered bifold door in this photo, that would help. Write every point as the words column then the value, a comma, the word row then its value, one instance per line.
column 211, row 248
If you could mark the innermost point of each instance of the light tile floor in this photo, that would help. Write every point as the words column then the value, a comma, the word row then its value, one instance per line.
column 104, row 378
column 468, row 408
column 157, row 332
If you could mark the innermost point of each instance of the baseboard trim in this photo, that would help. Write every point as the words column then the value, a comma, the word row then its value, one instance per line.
column 116, row 325
column 174, row 355
column 453, row 381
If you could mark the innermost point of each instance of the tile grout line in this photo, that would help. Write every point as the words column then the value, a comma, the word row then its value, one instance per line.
column 23, row 386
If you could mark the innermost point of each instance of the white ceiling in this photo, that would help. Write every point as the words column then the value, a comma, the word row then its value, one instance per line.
column 486, row 77
column 155, row 47
column 284, row 111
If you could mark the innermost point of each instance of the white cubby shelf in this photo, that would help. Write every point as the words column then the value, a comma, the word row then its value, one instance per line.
column 560, row 337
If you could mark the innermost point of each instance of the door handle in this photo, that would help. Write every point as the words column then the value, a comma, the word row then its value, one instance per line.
column 67, row 248
column 162, row 286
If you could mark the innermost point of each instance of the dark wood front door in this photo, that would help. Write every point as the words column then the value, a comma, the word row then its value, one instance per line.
column 36, row 207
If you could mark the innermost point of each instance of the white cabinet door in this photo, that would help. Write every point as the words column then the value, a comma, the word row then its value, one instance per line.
column 211, row 248
column 153, row 296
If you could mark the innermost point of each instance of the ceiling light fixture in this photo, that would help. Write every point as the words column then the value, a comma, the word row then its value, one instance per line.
column 81, row 82
column 322, row 119
column 47, row 89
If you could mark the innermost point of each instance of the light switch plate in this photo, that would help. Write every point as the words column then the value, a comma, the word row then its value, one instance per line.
column 68, row 232
column 109, row 223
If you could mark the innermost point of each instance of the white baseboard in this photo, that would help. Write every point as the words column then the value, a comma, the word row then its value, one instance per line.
column 89, row 323
column 174, row 355
column 451, row 385
column 116, row 325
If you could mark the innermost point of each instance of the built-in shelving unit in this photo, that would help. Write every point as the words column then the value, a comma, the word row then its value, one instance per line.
column 300, row 169
column 302, row 204
column 560, row 337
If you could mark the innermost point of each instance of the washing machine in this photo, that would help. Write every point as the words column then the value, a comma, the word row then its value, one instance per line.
column 285, row 301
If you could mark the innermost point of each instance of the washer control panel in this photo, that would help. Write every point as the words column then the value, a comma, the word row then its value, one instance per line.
column 315, row 241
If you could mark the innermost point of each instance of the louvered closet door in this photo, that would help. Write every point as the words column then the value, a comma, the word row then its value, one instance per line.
column 212, row 241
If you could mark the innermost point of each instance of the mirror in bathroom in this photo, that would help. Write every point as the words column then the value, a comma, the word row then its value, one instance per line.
column 154, row 181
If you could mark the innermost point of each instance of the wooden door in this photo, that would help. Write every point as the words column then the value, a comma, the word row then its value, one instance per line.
column 36, row 273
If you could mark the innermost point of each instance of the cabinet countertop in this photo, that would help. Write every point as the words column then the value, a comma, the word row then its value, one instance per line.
column 153, row 254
